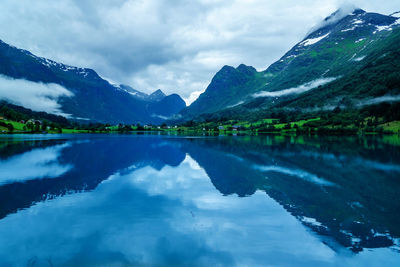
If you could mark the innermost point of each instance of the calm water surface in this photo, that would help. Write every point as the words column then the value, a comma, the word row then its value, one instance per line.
column 123, row 200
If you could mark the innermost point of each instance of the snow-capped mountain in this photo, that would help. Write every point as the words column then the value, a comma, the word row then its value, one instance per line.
column 79, row 93
column 357, row 30
column 133, row 92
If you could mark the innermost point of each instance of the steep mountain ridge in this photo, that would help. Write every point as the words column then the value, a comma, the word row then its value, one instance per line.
column 339, row 46
column 131, row 91
column 93, row 98
column 166, row 107
column 157, row 95
column 227, row 89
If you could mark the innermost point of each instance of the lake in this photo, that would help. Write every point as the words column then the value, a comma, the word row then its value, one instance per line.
column 122, row 200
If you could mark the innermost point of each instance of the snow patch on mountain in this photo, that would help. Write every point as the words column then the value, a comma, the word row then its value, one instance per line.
column 312, row 41
column 49, row 63
column 358, row 21
column 311, row 221
column 383, row 28
column 296, row 90
column 387, row 27
column 134, row 93
column 66, row 68
column 357, row 59
column 349, row 29
column 129, row 90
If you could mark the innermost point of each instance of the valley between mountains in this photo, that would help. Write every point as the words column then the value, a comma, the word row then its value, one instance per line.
column 343, row 77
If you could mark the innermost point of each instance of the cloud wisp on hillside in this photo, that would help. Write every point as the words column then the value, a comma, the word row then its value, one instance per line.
column 296, row 90
column 35, row 96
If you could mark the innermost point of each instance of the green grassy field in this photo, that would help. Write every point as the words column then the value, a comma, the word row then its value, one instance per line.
column 304, row 126
column 17, row 125
column 71, row 131
column 393, row 126
column 266, row 125
column 298, row 123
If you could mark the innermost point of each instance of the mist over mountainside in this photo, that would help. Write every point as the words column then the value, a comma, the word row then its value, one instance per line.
column 78, row 93
column 351, row 57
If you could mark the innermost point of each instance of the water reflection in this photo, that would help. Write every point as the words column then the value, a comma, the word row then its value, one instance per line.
column 34, row 164
column 295, row 172
column 349, row 190
column 133, row 200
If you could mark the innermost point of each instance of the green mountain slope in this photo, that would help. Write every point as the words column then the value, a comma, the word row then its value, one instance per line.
column 227, row 89
column 319, row 72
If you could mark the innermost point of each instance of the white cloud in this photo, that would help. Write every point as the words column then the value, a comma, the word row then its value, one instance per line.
column 345, row 9
column 237, row 104
column 193, row 96
column 296, row 90
column 381, row 99
column 35, row 96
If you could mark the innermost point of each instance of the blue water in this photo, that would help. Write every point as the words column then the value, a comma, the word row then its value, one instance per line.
column 128, row 200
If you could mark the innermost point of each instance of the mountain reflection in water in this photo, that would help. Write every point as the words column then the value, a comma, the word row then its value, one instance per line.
column 159, row 200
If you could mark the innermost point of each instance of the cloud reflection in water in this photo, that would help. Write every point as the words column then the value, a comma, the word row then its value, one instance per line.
column 156, row 214
column 35, row 164
column 153, row 217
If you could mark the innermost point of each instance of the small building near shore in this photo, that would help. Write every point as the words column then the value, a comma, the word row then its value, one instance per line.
column 236, row 127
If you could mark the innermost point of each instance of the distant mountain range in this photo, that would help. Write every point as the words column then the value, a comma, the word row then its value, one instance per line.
column 91, row 97
column 350, row 59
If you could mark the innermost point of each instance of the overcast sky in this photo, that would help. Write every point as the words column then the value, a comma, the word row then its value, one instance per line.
column 174, row 45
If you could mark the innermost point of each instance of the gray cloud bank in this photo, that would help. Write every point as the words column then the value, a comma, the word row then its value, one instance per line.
column 173, row 45
column 35, row 96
